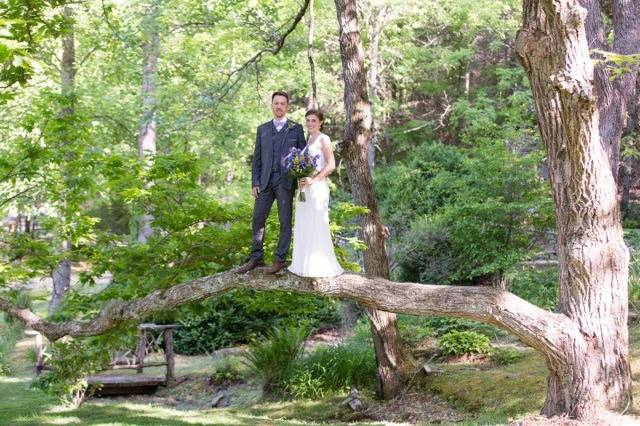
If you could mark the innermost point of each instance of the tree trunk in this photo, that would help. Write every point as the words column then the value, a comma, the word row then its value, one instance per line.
column 377, row 19
column 615, row 97
column 61, row 276
column 148, row 122
column 593, row 373
column 357, row 134
column 313, row 98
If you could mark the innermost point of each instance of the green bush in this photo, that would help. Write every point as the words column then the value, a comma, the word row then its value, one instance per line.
column 506, row 355
column 229, row 370
column 73, row 360
column 240, row 316
column 273, row 358
column 538, row 285
column 70, row 364
column 464, row 342
column 8, row 337
column 21, row 299
column 464, row 216
column 332, row 369
column 439, row 326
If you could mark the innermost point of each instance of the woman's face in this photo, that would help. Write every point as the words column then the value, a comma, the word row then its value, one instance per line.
column 313, row 123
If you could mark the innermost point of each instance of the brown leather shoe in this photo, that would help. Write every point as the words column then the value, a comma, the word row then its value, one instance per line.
column 250, row 265
column 277, row 266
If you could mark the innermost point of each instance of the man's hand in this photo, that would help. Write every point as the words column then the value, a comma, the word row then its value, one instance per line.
column 255, row 191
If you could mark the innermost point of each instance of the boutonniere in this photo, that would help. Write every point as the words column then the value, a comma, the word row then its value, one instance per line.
column 290, row 125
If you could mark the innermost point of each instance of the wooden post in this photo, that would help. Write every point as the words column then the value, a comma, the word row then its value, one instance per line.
column 141, row 350
column 168, row 353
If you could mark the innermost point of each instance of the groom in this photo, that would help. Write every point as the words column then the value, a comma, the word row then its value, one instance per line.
column 270, row 181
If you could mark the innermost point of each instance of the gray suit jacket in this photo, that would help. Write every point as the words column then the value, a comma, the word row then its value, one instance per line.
column 263, row 152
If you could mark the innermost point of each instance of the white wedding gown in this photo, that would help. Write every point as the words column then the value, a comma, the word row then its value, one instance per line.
column 313, row 254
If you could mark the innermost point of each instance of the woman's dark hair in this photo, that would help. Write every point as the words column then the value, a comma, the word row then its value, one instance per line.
column 280, row 93
column 318, row 114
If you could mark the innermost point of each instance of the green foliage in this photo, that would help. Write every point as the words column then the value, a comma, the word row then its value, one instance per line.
column 490, row 211
column 73, row 360
column 332, row 369
column 274, row 358
column 21, row 299
column 463, row 343
column 439, row 326
column 506, row 355
column 538, row 285
column 9, row 335
column 240, row 316
column 229, row 370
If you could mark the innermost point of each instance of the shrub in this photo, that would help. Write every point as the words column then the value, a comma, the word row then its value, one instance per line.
column 536, row 285
column 506, row 355
column 476, row 216
column 464, row 342
column 22, row 300
column 332, row 369
column 8, row 338
column 240, row 316
column 228, row 370
column 273, row 358
column 70, row 363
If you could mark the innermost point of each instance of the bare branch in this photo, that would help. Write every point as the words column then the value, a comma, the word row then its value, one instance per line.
column 533, row 325
column 234, row 77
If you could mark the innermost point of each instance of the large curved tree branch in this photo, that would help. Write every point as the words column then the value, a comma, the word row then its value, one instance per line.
column 535, row 326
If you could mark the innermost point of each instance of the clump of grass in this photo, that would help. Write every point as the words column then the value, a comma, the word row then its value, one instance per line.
column 333, row 369
column 496, row 394
column 8, row 338
column 273, row 358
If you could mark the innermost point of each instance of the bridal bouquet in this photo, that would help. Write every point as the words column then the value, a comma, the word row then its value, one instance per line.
column 300, row 165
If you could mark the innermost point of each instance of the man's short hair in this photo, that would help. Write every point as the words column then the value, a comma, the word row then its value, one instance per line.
column 280, row 93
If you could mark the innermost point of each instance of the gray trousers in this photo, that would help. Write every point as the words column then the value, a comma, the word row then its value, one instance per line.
column 261, row 210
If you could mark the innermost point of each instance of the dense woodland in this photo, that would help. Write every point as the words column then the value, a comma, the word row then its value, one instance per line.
column 485, row 191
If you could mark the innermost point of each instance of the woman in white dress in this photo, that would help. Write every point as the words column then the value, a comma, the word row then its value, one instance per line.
column 313, row 254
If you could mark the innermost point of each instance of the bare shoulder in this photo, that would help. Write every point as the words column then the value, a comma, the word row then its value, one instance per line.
column 325, row 140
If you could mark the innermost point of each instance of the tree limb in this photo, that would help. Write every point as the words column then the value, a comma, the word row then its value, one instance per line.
column 535, row 326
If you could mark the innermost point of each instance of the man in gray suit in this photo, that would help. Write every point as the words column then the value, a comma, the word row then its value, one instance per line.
column 270, row 181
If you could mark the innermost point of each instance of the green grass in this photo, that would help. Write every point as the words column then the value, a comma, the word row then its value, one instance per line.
column 494, row 395
column 21, row 405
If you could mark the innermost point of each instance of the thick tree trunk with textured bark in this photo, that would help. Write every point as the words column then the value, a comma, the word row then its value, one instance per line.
column 148, row 121
column 61, row 276
column 356, row 141
column 593, row 372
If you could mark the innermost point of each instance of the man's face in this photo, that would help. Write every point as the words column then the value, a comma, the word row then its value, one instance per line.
column 279, row 106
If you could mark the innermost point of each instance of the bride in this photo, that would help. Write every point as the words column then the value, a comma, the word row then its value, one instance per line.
column 313, row 254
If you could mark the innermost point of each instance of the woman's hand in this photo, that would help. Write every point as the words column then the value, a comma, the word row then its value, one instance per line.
column 306, row 181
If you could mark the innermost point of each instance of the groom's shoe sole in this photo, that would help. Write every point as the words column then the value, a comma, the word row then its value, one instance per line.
column 277, row 267
column 250, row 265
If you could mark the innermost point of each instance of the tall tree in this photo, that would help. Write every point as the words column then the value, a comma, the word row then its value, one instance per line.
column 148, row 121
column 311, row 27
column 377, row 15
column 356, row 142
column 592, row 256
column 616, row 96
column 61, row 276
